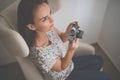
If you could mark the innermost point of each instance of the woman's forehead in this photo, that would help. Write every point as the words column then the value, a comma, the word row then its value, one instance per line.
column 42, row 10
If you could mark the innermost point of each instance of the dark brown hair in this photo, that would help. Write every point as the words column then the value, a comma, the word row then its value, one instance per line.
column 25, row 16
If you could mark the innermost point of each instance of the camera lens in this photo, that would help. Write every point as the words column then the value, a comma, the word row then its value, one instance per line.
column 79, row 34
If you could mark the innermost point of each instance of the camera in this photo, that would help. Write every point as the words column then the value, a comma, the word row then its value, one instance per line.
column 75, row 32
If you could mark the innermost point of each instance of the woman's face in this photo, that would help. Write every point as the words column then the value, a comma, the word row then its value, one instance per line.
column 43, row 20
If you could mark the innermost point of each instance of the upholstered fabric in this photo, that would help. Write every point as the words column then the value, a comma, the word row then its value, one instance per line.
column 12, row 40
column 54, row 5
column 30, row 71
column 85, row 49
column 10, row 13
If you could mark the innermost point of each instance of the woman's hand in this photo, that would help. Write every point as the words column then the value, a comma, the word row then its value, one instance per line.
column 73, row 45
column 70, row 26
column 64, row 35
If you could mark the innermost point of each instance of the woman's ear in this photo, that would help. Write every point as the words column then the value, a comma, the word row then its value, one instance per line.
column 31, row 27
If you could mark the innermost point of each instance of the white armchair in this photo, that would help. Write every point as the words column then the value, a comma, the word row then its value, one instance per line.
column 17, row 47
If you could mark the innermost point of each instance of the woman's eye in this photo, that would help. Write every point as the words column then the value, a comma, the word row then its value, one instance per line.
column 44, row 19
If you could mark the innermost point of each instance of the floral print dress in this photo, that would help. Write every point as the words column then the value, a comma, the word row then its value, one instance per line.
column 45, row 57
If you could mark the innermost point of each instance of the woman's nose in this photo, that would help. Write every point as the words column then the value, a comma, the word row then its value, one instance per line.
column 51, row 19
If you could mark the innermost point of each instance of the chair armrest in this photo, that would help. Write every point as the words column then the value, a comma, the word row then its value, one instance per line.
column 85, row 49
column 13, row 42
column 30, row 71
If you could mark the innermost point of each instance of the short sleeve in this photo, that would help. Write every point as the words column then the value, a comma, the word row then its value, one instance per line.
column 44, row 59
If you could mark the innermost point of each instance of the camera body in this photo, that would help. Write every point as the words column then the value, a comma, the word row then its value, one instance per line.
column 75, row 32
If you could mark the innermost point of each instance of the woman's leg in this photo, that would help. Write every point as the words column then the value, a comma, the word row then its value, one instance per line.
column 88, row 67
column 88, row 62
column 88, row 75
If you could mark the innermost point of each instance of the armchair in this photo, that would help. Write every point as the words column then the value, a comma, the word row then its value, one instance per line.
column 17, row 47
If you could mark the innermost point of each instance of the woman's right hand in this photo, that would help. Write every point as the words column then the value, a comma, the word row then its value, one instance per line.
column 70, row 26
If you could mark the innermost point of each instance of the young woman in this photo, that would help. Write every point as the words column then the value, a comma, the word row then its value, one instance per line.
column 47, row 49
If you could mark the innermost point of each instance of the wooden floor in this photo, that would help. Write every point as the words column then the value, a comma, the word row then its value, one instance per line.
column 108, row 65
column 12, row 71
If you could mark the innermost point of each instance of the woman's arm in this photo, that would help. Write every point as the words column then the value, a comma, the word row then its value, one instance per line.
column 64, row 35
column 63, row 63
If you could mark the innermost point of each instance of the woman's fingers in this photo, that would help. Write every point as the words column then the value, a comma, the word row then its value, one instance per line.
column 70, row 25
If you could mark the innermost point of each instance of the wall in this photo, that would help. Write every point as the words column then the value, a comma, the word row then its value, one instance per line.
column 89, row 14
column 109, row 38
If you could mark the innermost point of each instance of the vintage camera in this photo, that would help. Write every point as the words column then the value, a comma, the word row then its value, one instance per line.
column 74, row 33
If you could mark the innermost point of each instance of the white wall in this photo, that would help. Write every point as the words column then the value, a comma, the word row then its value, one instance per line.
column 110, row 35
column 89, row 14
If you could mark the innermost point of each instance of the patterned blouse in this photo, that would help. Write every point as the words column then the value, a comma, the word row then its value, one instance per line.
column 45, row 57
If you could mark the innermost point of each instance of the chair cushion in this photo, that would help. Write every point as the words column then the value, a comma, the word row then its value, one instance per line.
column 11, row 38
column 10, row 13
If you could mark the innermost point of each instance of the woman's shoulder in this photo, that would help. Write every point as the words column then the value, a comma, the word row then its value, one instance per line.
column 57, row 31
column 54, row 36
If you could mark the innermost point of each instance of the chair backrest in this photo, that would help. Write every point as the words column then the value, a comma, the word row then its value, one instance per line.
column 12, row 40
column 15, row 44
column 9, row 34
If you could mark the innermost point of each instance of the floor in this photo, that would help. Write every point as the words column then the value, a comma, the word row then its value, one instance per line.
column 108, row 65
column 12, row 71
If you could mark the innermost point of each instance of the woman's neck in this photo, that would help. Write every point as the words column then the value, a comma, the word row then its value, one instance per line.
column 41, row 40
